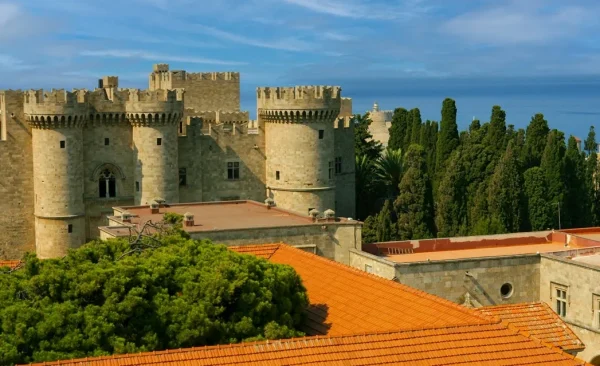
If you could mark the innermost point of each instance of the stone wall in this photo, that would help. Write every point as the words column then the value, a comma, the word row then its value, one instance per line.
column 583, row 293
column 332, row 240
column 16, row 186
column 372, row 264
column 345, row 190
column 209, row 91
column 117, row 157
column 229, row 143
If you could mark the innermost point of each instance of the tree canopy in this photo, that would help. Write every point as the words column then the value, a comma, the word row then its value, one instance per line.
column 165, row 291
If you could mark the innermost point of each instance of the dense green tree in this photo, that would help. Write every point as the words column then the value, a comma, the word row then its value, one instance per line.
column 496, row 133
column 577, row 208
column 388, row 169
column 366, row 186
column 428, row 141
column 539, row 213
column 450, row 211
column 552, row 165
column 535, row 140
column 369, row 230
column 415, row 127
column 165, row 291
column 364, row 145
column 385, row 227
column 448, row 136
column 414, row 205
column 399, row 129
column 505, row 200
column 590, row 142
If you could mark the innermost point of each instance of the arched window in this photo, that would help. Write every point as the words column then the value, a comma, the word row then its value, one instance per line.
column 107, row 184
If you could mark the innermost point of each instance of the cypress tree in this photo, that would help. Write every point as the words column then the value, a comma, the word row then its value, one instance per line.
column 552, row 165
column 428, row 140
column 450, row 212
column 364, row 145
column 414, row 205
column 590, row 142
column 415, row 117
column 506, row 192
column 399, row 129
column 384, row 230
column 535, row 140
column 539, row 213
column 448, row 135
column 577, row 210
column 496, row 134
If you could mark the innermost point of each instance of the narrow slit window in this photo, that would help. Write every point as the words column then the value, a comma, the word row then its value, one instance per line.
column 106, row 141
column 321, row 134
column 137, row 186
column 63, row 143
column 182, row 177
column 330, row 170
column 70, row 228
column 338, row 165
column 159, row 141
column 277, row 175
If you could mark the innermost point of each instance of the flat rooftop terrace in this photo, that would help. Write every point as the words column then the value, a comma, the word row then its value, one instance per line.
column 477, row 253
column 565, row 244
column 216, row 216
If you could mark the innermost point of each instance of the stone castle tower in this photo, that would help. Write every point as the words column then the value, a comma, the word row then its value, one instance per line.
column 381, row 121
column 299, row 139
column 69, row 157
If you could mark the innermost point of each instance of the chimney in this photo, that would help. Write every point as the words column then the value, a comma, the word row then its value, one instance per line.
column 126, row 217
column 188, row 219
column 314, row 213
column 329, row 215
column 154, row 207
column 269, row 202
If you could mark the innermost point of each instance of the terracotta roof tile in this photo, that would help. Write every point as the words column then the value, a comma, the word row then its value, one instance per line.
column 345, row 300
column 11, row 264
column 539, row 321
column 492, row 344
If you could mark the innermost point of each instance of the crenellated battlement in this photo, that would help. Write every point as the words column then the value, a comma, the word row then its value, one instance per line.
column 183, row 75
column 299, row 97
column 343, row 122
column 55, row 105
column 159, row 95
column 217, row 117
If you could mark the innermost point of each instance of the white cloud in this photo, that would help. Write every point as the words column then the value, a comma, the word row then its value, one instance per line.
column 517, row 24
column 157, row 57
column 284, row 44
column 12, row 63
column 363, row 9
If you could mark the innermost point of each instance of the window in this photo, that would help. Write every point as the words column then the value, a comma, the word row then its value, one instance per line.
column 368, row 268
column 330, row 170
column 506, row 290
column 106, row 141
column 181, row 128
column 107, row 184
column 338, row 165
column 70, row 228
column 137, row 186
column 233, row 170
column 182, row 177
column 321, row 134
column 63, row 144
column 560, row 298
column 277, row 175
column 159, row 141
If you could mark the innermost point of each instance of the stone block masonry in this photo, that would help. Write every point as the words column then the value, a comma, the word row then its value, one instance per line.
column 70, row 156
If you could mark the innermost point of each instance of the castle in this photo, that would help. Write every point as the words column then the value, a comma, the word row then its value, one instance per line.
column 381, row 121
column 68, row 158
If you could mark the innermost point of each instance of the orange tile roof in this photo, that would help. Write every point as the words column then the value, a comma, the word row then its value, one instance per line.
column 345, row 300
column 538, row 320
column 492, row 344
column 367, row 320
column 11, row 264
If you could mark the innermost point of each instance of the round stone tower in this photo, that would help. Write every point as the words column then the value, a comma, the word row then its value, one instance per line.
column 155, row 116
column 57, row 118
column 299, row 144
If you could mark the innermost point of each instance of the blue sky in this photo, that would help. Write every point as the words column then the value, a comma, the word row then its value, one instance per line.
column 373, row 49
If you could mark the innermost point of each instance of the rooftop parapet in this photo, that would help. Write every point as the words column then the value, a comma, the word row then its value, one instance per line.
column 160, row 67
column 153, row 101
column 184, row 75
column 55, row 102
column 222, row 117
column 299, row 97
